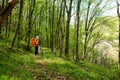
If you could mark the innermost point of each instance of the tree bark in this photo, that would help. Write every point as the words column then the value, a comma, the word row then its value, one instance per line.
column 52, row 27
column 2, row 5
column 67, row 28
column 118, row 12
column 19, row 22
column 0, row 29
column 77, row 33
column 47, row 40
column 50, row 24
column 60, row 29
column 1, row 8
column 9, row 26
column 6, row 11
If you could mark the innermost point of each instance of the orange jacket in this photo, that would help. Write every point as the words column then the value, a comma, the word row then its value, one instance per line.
column 34, row 42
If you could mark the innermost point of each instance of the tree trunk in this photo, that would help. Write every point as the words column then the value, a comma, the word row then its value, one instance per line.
column 7, row 28
column 6, row 11
column 60, row 29
column 30, row 22
column 0, row 31
column 77, row 33
column 50, row 24
column 47, row 41
column 19, row 22
column 118, row 12
column 67, row 28
column 86, row 31
column 52, row 27
column 1, row 8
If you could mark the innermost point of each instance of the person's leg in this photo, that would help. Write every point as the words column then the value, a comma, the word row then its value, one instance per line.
column 36, row 50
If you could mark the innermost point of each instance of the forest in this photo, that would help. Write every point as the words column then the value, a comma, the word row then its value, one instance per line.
column 78, row 39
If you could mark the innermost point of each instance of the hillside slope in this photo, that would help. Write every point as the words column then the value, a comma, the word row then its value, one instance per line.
column 18, row 64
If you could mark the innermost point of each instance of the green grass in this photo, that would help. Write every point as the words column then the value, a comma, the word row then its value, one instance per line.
column 19, row 64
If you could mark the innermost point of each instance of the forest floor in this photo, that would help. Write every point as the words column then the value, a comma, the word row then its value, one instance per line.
column 19, row 64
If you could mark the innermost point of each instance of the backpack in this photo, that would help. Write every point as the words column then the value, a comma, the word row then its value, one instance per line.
column 33, row 42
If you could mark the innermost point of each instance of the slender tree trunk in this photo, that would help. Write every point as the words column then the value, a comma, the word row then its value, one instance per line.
column 60, row 29
column 86, row 31
column 118, row 12
column 19, row 22
column 119, row 48
column 30, row 22
column 7, row 28
column 74, row 42
column 67, row 29
column 47, row 41
column 61, row 25
column 1, row 8
column 57, row 32
column 77, row 33
column 50, row 23
column 3, row 1
column 52, row 27
column 0, row 30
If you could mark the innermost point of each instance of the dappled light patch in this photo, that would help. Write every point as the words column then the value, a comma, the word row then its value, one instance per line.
column 49, row 61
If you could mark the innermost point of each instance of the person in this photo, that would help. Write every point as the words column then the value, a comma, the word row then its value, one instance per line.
column 36, row 44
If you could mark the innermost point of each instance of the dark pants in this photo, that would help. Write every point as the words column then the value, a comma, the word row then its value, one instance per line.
column 36, row 50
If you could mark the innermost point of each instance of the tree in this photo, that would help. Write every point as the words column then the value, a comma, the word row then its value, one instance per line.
column 1, row 8
column 47, row 41
column 31, row 10
column 6, row 11
column 19, row 22
column 67, row 27
column 60, row 25
column 118, row 12
column 52, row 27
column 77, row 29
column 92, row 24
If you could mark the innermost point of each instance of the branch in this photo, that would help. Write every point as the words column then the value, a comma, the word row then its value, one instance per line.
column 118, row 8
column 6, row 11
column 66, row 6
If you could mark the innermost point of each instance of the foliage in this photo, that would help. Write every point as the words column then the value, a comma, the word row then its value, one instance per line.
column 37, row 19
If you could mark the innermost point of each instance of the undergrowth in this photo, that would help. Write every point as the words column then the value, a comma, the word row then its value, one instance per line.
column 19, row 64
